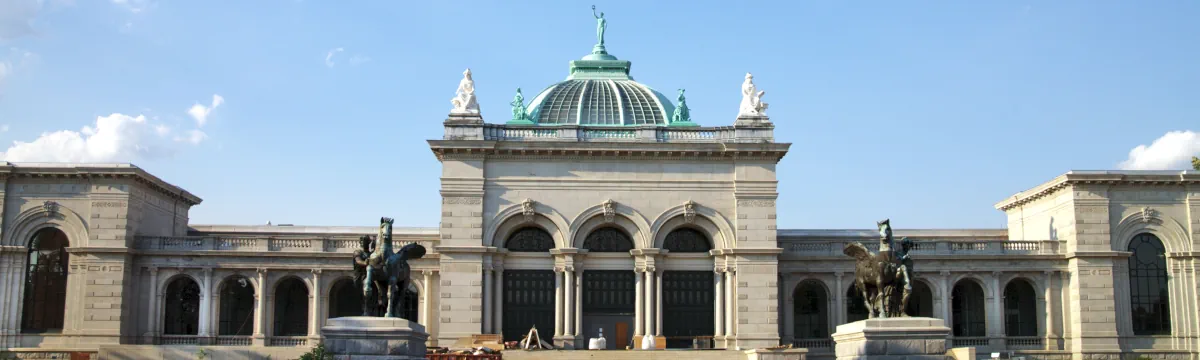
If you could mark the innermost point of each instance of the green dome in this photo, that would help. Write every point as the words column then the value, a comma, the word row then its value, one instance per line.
column 600, row 92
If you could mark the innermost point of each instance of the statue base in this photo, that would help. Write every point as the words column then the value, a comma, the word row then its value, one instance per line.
column 910, row 338
column 375, row 338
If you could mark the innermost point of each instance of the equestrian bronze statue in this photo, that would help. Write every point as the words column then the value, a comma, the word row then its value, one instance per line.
column 883, row 278
column 383, row 274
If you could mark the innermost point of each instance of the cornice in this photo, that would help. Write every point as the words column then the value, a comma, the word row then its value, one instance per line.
column 1075, row 178
column 565, row 150
column 96, row 171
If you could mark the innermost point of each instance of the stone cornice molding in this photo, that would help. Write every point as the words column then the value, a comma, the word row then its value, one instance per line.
column 97, row 171
column 488, row 149
column 746, row 251
column 465, row 249
column 1073, row 178
column 1098, row 254
column 98, row 250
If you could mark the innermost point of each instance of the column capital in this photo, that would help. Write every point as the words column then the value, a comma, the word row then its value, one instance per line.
column 487, row 267
column 316, row 271
column 559, row 269
column 153, row 270
column 719, row 269
column 1050, row 272
column 839, row 274
column 944, row 273
column 997, row 273
column 207, row 271
column 427, row 272
column 261, row 271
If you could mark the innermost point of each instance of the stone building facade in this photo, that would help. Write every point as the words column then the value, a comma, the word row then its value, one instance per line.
column 597, row 208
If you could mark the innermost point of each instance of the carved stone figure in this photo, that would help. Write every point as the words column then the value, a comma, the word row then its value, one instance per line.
column 464, row 97
column 518, row 106
column 682, row 114
column 601, row 26
column 883, row 278
column 752, row 104
column 388, row 270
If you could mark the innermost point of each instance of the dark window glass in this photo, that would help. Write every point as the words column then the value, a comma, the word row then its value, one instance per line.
column 1019, row 303
column 1148, row 286
column 291, row 308
column 528, row 302
column 530, row 239
column 409, row 310
column 687, row 306
column 810, row 308
column 182, row 307
column 237, row 307
column 687, row 241
column 607, row 240
column 856, row 306
column 45, row 282
column 345, row 299
column 968, row 311
column 920, row 302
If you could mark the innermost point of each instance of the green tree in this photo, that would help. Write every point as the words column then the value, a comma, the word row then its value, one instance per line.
column 1196, row 163
column 317, row 353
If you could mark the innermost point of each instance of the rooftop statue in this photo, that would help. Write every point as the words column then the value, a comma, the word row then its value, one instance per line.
column 385, row 270
column 752, row 104
column 601, row 25
column 682, row 114
column 464, row 97
column 883, row 278
column 518, row 106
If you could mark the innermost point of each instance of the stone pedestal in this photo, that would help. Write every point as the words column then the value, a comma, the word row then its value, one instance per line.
column 913, row 338
column 374, row 338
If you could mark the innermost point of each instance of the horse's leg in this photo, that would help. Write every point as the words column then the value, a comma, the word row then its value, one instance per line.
column 368, row 293
column 867, row 299
column 391, row 309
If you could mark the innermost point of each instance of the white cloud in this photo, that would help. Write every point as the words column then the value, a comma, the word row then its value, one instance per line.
column 200, row 112
column 4, row 128
column 359, row 59
column 329, row 56
column 194, row 137
column 1172, row 151
column 16, row 17
column 113, row 138
column 134, row 6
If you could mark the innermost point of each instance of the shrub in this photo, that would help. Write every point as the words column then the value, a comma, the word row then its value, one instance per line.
column 317, row 353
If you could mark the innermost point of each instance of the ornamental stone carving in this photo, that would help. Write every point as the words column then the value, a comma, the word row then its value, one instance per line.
column 752, row 104
column 50, row 206
column 527, row 210
column 1147, row 213
column 464, row 98
column 610, row 210
column 462, row 201
column 689, row 212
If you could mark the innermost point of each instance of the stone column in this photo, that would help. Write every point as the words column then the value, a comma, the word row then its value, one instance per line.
column 427, row 299
column 498, row 301
column 839, row 301
column 558, row 302
column 1050, row 341
column 580, row 332
column 260, row 309
column 205, row 304
column 639, row 319
column 730, row 303
column 314, row 322
column 946, row 295
column 487, row 300
column 995, row 312
column 718, row 305
column 151, row 325
column 789, row 313
column 569, row 303
column 650, row 301
column 658, row 322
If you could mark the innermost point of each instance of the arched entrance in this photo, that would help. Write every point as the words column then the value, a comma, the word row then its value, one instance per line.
column 608, row 295
column 291, row 308
column 181, row 307
column 45, row 282
column 237, row 307
column 528, row 296
column 688, row 296
column 1019, row 305
column 856, row 307
column 345, row 299
column 920, row 302
column 1148, row 297
column 968, row 312
column 810, row 310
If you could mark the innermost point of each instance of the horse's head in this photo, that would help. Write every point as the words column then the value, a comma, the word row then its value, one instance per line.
column 885, row 228
column 412, row 251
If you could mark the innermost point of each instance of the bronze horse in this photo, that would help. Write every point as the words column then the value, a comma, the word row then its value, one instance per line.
column 883, row 278
column 392, row 266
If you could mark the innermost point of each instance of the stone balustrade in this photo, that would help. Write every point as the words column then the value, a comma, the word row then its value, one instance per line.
column 833, row 247
column 614, row 133
column 260, row 244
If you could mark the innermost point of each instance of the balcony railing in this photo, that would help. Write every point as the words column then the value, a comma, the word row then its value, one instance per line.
column 260, row 244
column 970, row 341
column 1023, row 343
column 179, row 340
column 287, row 341
column 233, row 340
column 833, row 247
column 818, row 343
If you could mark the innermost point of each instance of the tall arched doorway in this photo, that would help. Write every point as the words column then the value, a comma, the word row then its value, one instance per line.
column 608, row 295
column 1020, row 301
column 688, row 296
column 408, row 309
column 967, row 310
column 345, row 299
column 920, row 302
column 291, row 308
column 45, row 282
column 528, row 294
column 181, row 301
column 1149, row 301
column 810, row 310
column 856, row 306
column 237, row 307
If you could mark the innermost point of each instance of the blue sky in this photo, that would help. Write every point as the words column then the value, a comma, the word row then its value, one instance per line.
column 927, row 112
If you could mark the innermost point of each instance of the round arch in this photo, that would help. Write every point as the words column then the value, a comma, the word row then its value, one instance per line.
column 274, row 285
column 166, row 280
column 968, row 310
column 707, row 220
column 43, row 297
column 987, row 291
column 218, row 285
column 291, row 312
column 810, row 304
column 32, row 220
column 181, row 306
column 1019, row 307
column 1170, row 232
column 235, row 304
column 512, row 218
column 625, row 218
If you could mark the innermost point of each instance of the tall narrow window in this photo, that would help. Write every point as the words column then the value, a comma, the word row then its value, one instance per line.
column 1148, row 286
column 967, row 311
column 45, row 282
column 810, row 309
column 1019, row 302
column 182, row 307
column 237, row 307
column 856, row 306
column 920, row 302
column 291, row 308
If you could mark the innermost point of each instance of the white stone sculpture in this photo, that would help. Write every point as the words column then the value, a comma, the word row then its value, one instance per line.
column 648, row 342
column 598, row 343
column 464, row 97
column 752, row 104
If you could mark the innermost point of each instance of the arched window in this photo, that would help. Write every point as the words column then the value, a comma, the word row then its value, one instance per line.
column 686, row 240
column 811, row 310
column 237, row 307
column 345, row 299
column 530, row 239
column 607, row 240
column 409, row 310
column 45, row 282
column 1148, row 286
column 968, row 311
column 856, row 306
column 920, row 302
column 182, row 307
column 291, row 308
column 1019, row 303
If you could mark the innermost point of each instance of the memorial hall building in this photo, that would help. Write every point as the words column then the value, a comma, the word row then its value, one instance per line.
column 599, row 206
